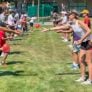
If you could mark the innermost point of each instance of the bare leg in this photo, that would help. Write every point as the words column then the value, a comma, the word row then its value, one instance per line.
column 4, row 58
column 89, row 62
column 75, row 57
column 81, row 61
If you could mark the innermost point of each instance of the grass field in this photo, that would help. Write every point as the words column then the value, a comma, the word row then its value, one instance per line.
column 40, row 62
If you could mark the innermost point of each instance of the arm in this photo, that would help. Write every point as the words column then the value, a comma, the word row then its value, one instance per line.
column 6, row 29
column 63, row 27
column 86, row 29
column 7, row 38
column 65, row 31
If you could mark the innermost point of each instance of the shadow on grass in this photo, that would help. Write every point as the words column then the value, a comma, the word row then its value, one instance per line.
column 15, row 43
column 15, row 62
column 17, row 39
column 69, row 63
column 16, row 73
column 67, row 73
column 16, row 52
column 7, row 73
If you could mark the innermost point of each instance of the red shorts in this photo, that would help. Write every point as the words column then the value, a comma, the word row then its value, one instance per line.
column 6, row 48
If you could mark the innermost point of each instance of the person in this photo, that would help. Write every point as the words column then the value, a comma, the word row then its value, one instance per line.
column 64, row 20
column 3, row 16
column 11, row 20
column 55, row 18
column 18, row 25
column 81, row 37
column 24, row 23
column 4, row 46
column 32, row 22
column 87, row 21
column 16, row 16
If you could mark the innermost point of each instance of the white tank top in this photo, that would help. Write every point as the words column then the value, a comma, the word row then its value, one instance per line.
column 78, row 31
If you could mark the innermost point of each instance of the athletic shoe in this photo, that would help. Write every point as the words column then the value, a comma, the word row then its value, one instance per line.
column 75, row 67
column 80, row 79
column 70, row 46
column 87, row 82
column 65, row 40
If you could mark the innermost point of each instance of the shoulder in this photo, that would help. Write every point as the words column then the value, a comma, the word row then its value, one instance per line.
column 80, row 22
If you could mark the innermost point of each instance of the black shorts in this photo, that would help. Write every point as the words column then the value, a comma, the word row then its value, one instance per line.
column 85, row 45
column 12, row 27
column 0, row 53
column 31, row 24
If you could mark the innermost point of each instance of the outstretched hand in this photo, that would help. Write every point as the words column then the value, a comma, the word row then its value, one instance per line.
column 44, row 30
column 18, row 32
column 78, row 42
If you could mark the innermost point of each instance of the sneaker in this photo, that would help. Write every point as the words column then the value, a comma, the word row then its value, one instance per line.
column 70, row 46
column 87, row 82
column 65, row 40
column 75, row 67
column 80, row 79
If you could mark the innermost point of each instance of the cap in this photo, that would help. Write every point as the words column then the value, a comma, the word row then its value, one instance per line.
column 85, row 11
column 74, row 12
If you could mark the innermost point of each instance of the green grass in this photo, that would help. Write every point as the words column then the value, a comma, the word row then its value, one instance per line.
column 40, row 62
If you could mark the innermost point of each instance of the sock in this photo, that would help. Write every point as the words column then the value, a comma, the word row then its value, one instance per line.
column 75, row 64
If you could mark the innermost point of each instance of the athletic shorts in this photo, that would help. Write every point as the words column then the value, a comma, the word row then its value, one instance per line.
column 6, row 48
column 76, row 48
column 31, row 24
column 86, row 45
column 12, row 27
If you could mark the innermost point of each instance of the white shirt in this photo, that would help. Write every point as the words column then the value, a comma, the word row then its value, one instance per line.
column 10, row 20
column 2, row 17
column 32, row 19
column 64, row 20
column 16, row 16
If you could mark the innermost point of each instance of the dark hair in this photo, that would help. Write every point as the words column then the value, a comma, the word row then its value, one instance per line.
column 74, row 13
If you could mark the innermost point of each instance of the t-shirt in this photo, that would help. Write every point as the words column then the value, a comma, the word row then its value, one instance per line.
column 16, row 16
column 2, row 17
column 87, row 21
column 10, row 20
column 64, row 19
column 2, row 35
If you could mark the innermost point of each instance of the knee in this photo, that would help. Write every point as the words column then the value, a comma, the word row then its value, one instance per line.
column 80, row 60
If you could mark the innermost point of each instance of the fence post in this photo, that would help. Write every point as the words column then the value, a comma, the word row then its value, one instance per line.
column 38, row 10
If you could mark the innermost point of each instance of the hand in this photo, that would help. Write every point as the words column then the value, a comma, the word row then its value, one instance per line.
column 18, row 32
column 10, row 37
column 78, row 42
column 90, row 42
column 45, row 30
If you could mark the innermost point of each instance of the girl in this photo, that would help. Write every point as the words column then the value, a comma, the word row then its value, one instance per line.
column 80, row 34
column 86, row 20
column 4, row 47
